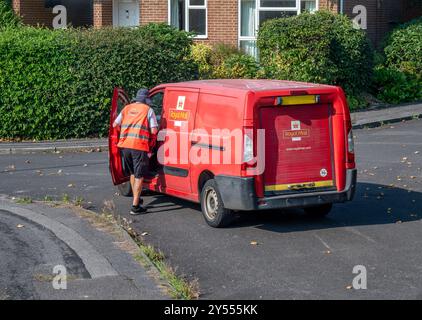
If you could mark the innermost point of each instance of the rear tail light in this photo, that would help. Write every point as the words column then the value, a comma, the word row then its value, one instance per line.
column 248, row 159
column 350, row 142
column 252, row 164
column 350, row 159
column 247, row 147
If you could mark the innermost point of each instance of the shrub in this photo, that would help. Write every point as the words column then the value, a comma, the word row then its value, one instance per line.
column 58, row 84
column 7, row 17
column 221, row 52
column 393, row 86
column 201, row 53
column 223, row 62
column 238, row 66
column 398, row 74
column 322, row 47
column 403, row 49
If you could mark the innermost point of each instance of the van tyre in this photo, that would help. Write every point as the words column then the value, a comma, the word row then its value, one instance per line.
column 212, row 206
column 125, row 189
column 319, row 211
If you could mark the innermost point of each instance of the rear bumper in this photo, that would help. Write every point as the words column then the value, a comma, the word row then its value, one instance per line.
column 239, row 194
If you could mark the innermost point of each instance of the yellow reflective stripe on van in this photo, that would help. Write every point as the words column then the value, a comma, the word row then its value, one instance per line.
column 297, row 100
column 299, row 186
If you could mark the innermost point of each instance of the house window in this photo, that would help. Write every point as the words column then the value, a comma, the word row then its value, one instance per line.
column 189, row 15
column 308, row 5
column 252, row 13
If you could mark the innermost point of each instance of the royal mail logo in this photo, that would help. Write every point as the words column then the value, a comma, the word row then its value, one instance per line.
column 289, row 134
column 181, row 102
column 296, row 133
column 179, row 115
column 295, row 125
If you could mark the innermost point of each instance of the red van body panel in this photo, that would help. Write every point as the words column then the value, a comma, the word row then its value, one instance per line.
column 306, row 147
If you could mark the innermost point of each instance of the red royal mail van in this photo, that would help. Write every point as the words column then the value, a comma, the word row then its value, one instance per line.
column 241, row 145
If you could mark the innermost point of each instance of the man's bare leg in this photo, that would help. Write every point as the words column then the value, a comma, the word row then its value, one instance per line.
column 137, row 189
column 132, row 182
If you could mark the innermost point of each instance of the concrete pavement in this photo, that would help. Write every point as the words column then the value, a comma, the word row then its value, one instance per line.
column 35, row 238
column 377, row 117
column 88, row 145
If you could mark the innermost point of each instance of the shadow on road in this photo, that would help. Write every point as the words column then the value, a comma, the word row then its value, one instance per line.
column 374, row 204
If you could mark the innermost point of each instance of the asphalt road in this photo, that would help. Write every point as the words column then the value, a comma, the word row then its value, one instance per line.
column 24, row 256
column 296, row 257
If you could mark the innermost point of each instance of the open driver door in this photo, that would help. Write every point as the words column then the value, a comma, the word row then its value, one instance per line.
column 118, row 175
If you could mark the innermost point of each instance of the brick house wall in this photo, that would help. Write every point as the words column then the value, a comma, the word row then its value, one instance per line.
column 383, row 15
column 153, row 11
column 222, row 17
column 223, row 21
column 411, row 9
column 16, row 5
column 33, row 12
column 102, row 13
column 80, row 12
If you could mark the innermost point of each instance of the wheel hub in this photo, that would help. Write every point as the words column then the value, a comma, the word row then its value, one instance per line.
column 211, row 204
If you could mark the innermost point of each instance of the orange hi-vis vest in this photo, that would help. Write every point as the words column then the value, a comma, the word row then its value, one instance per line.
column 134, row 132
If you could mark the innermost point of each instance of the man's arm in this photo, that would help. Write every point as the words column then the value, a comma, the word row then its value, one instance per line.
column 118, row 121
column 153, row 127
column 152, row 121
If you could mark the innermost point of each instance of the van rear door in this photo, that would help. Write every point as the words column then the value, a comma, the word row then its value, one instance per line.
column 298, row 148
column 119, row 101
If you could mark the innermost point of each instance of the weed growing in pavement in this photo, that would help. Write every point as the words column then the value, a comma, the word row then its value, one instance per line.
column 180, row 287
column 79, row 201
column 48, row 198
column 24, row 200
column 65, row 198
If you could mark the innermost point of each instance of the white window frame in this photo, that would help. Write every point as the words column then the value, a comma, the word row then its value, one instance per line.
column 187, row 7
column 258, row 9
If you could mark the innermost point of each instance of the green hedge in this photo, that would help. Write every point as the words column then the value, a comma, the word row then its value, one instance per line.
column 403, row 49
column 393, row 86
column 398, row 76
column 322, row 47
column 58, row 84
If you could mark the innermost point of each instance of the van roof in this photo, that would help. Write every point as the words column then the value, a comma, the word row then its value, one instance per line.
column 246, row 84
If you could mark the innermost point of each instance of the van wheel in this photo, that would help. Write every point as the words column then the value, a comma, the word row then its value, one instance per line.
column 212, row 206
column 319, row 211
column 125, row 189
